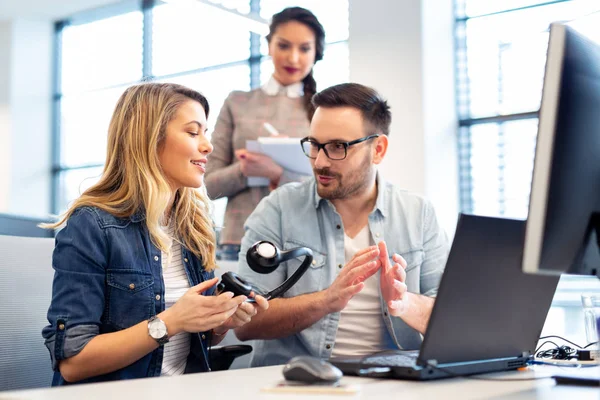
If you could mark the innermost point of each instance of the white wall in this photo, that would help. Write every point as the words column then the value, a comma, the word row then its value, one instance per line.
column 25, row 117
column 404, row 49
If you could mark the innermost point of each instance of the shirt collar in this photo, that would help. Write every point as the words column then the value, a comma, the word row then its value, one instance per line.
column 380, row 203
column 273, row 88
column 138, row 216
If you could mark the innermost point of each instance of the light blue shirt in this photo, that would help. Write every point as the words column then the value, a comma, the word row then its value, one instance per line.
column 295, row 215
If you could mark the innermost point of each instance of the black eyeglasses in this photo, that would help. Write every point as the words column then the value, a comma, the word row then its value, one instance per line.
column 334, row 150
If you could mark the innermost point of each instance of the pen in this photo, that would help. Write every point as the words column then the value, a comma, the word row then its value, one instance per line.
column 271, row 129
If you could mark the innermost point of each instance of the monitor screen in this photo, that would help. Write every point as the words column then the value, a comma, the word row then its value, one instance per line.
column 564, row 208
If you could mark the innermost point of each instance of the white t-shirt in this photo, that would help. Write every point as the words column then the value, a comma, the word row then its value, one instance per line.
column 361, row 327
column 177, row 349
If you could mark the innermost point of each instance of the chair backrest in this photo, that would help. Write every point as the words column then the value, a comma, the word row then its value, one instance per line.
column 16, row 225
column 231, row 339
column 25, row 292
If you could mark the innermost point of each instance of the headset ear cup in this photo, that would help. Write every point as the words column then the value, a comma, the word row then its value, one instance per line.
column 260, row 263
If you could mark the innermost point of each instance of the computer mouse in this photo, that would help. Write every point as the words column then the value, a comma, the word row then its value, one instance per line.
column 311, row 370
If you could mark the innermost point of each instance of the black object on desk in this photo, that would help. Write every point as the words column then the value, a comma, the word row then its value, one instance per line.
column 576, row 380
column 311, row 370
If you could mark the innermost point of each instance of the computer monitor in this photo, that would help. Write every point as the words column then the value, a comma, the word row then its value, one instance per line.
column 562, row 227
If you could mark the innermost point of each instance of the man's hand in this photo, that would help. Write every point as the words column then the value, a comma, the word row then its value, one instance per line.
column 392, row 280
column 351, row 279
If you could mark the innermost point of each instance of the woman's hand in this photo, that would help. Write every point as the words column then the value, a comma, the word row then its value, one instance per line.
column 194, row 312
column 244, row 313
column 257, row 164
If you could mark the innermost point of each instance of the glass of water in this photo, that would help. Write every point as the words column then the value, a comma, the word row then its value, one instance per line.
column 591, row 315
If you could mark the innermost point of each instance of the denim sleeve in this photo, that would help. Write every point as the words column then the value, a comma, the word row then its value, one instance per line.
column 263, row 224
column 78, row 289
column 436, row 248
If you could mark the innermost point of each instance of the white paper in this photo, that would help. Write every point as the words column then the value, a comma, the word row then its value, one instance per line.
column 284, row 151
column 287, row 153
column 253, row 181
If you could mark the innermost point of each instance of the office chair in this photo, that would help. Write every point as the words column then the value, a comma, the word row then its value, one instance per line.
column 222, row 357
column 230, row 350
column 25, row 292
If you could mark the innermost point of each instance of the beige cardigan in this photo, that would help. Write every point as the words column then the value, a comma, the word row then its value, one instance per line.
column 241, row 118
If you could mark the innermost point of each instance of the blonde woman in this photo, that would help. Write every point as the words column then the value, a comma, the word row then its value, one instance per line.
column 134, row 265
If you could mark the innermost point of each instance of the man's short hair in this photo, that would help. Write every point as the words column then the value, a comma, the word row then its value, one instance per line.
column 374, row 109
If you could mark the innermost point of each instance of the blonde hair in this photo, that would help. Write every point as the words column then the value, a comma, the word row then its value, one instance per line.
column 133, row 178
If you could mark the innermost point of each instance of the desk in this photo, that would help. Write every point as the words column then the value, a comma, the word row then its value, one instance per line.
column 247, row 384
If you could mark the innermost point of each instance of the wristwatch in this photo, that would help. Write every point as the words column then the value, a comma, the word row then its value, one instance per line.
column 157, row 329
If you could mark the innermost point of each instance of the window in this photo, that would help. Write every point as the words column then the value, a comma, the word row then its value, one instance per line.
column 501, row 54
column 201, row 45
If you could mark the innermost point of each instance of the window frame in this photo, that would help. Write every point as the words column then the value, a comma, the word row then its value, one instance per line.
column 145, row 6
column 571, row 286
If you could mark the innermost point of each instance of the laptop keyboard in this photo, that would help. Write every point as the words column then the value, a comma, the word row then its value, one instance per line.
column 395, row 359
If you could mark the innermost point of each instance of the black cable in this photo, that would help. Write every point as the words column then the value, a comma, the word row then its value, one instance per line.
column 591, row 344
column 558, row 353
column 561, row 338
column 542, row 345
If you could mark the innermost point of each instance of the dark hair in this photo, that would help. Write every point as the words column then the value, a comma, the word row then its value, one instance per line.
column 307, row 18
column 374, row 109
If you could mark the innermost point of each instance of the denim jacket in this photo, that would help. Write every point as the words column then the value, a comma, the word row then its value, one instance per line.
column 108, row 277
column 295, row 215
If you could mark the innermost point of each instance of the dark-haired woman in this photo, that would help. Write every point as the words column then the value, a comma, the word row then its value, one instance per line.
column 296, row 42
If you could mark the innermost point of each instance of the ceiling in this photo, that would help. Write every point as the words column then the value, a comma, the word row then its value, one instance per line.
column 47, row 9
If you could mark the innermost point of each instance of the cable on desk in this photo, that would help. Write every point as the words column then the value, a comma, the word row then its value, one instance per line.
column 563, row 352
column 557, row 353
column 568, row 341
column 566, row 363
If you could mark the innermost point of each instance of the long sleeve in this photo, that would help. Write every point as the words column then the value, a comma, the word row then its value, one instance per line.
column 242, row 118
column 263, row 224
column 78, row 290
column 436, row 248
column 223, row 176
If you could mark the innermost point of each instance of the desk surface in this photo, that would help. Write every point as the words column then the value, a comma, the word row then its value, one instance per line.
column 247, row 384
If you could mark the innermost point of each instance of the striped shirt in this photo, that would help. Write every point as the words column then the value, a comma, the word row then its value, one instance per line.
column 241, row 118
column 176, row 350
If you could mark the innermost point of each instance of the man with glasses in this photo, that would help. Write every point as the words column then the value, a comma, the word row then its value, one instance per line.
column 379, row 252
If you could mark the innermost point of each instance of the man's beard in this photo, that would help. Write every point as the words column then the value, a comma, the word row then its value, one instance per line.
column 358, row 181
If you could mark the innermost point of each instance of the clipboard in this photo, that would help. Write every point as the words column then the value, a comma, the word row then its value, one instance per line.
column 284, row 151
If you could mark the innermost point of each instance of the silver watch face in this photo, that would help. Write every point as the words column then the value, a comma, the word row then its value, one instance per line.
column 157, row 328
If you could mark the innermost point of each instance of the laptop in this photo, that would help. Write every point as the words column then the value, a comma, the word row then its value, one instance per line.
column 488, row 315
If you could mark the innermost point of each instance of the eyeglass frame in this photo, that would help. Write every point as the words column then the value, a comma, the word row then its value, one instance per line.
column 321, row 146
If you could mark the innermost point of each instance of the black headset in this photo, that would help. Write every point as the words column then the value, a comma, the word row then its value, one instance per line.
column 264, row 257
